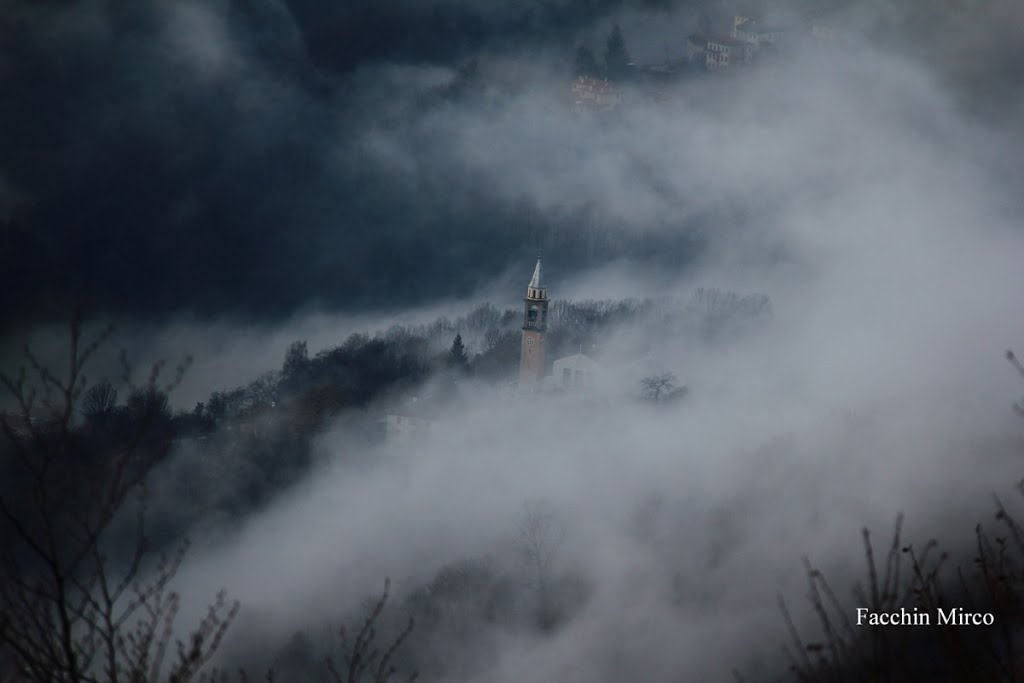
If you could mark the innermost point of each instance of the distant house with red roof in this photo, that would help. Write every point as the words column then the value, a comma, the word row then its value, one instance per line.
column 590, row 93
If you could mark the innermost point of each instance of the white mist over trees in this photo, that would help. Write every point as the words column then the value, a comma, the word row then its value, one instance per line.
column 798, row 283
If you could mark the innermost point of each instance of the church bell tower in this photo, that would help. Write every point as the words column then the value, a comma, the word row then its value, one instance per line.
column 535, row 325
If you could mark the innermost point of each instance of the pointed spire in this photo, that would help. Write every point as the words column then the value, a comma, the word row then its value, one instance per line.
column 537, row 281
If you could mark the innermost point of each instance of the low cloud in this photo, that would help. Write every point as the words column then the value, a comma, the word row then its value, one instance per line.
column 849, row 184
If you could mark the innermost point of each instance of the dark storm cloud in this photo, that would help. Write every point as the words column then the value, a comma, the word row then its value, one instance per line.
column 145, row 140
column 199, row 156
column 254, row 157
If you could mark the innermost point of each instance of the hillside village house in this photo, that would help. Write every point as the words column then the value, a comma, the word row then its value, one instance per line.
column 823, row 32
column 724, row 52
column 719, row 53
column 589, row 93
column 757, row 34
column 405, row 428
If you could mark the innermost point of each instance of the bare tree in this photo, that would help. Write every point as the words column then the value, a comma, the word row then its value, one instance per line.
column 921, row 581
column 361, row 657
column 540, row 537
column 660, row 388
column 1010, row 356
column 69, row 611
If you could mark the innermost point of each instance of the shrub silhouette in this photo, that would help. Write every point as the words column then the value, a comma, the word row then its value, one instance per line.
column 992, row 582
column 74, row 608
column 77, row 603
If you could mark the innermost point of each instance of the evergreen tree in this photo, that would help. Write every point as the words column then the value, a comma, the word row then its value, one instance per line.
column 457, row 357
column 616, row 60
column 296, row 372
column 586, row 63
column 296, row 358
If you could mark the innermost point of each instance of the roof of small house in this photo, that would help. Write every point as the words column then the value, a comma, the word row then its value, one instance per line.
column 577, row 361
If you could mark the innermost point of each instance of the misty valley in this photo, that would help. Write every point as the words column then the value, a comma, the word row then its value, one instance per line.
column 451, row 341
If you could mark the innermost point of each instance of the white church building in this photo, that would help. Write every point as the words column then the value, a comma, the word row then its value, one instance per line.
column 574, row 373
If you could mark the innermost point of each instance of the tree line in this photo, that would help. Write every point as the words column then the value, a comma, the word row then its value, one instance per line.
column 615, row 65
column 86, row 559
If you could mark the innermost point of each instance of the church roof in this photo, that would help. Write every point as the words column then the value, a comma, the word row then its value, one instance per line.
column 537, row 281
column 577, row 360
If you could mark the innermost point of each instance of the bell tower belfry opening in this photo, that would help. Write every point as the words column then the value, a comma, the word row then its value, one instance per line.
column 535, row 325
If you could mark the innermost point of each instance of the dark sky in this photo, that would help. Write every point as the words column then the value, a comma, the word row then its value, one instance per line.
column 224, row 158
column 195, row 158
